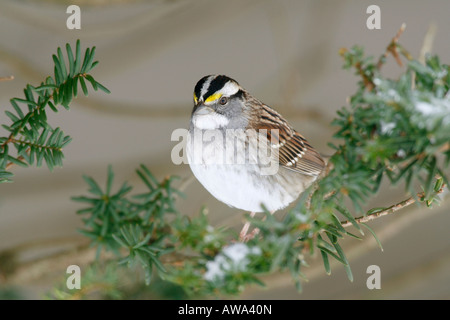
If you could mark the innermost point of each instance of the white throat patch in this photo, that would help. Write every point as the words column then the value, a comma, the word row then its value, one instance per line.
column 210, row 121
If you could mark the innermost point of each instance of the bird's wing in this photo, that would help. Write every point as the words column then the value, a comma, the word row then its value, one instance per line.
column 294, row 152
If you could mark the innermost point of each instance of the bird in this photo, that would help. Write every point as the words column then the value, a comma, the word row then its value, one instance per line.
column 244, row 152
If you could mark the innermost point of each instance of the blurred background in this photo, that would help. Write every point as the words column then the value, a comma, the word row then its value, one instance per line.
column 151, row 55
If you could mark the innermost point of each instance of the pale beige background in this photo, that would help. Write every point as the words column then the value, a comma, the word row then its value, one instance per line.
column 151, row 55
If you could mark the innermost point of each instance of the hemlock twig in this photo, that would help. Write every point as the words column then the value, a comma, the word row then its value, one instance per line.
column 8, row 78
column 388, row 210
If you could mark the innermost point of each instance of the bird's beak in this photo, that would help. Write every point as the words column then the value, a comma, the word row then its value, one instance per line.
column 203, row 110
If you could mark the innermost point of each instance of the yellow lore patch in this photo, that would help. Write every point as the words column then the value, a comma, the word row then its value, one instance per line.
column 213, row 97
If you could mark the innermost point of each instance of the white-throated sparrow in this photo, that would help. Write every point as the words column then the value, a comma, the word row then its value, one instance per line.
column 233, row 140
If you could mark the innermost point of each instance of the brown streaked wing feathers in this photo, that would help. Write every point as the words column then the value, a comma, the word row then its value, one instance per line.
column 295, row 153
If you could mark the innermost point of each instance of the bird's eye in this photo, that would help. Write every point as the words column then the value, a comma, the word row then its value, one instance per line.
column 223, row 100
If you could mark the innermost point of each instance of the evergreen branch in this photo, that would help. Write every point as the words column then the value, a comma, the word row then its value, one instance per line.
column 9, row 78
column 36, row 145
column 383, row 212
column 392, row 49
column 30, row 129
column 20, row 158
column 367, row 79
